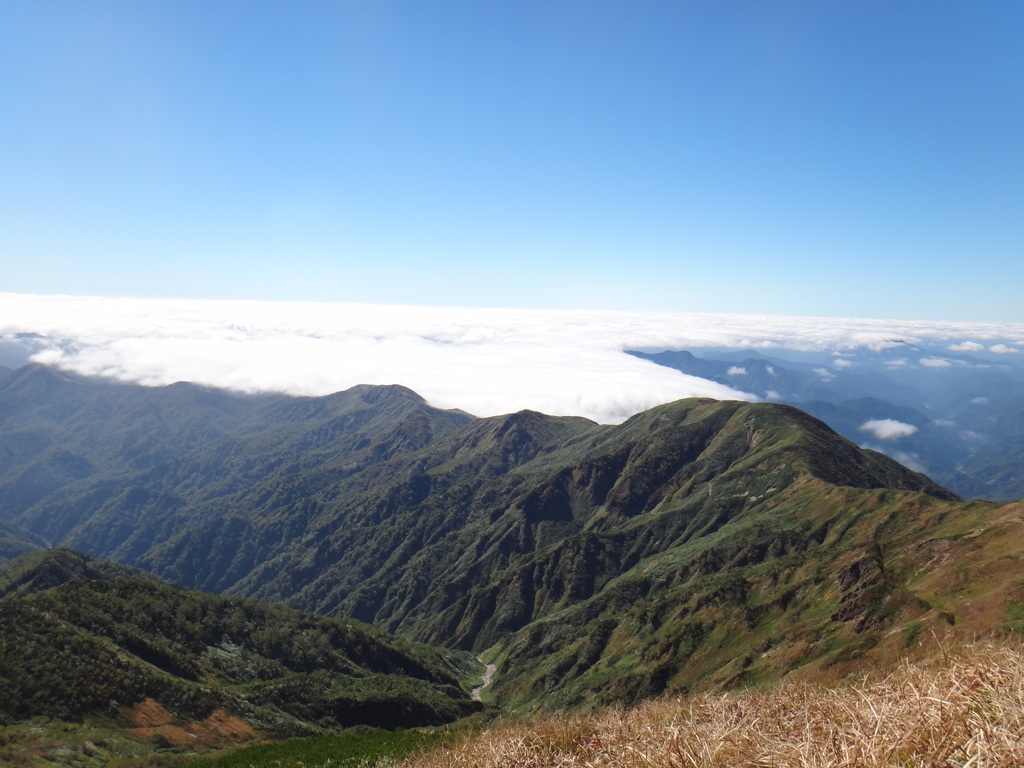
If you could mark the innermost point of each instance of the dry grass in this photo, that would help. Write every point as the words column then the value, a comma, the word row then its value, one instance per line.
column 966, row 709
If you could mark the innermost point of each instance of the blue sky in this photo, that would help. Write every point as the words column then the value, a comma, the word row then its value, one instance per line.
column 819, row 158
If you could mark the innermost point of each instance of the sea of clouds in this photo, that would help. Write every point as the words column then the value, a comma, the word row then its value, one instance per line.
column 485, row 361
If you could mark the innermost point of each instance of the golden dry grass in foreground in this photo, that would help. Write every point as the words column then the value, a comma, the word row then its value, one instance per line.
column 965, row 710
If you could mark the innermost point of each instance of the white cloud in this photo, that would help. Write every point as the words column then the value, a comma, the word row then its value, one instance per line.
column 888, row 429
column 771, row 371
column 896, row 363
column 979, row 401
column 825, row 374
column 841, row 363
column 967, row 346
column 736, row 370
column 485, row 361
column 935, row 362
column 1002, row 349
column 772, row 395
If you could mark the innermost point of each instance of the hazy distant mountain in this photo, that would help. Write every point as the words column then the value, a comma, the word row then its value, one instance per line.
column 16, row 541
column 697, row 543
column 966, row 413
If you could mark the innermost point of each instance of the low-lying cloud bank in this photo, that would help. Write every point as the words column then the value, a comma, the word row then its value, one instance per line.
column 485, row 361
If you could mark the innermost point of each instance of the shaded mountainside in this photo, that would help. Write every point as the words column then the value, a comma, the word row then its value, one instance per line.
column 82, row 640
column 41, row 570
column 84, row 440
column 16, row 541
column 700, row 543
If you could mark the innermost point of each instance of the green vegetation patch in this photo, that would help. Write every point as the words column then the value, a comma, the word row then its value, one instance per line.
column 355, row 747
column 94, row 648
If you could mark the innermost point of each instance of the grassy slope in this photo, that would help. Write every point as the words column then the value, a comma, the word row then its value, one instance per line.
column 754, row 603
column 814, row 578
column 965, row 708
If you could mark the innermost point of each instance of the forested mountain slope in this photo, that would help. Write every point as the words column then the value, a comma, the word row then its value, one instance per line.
column 85, row 638
column 698, row 543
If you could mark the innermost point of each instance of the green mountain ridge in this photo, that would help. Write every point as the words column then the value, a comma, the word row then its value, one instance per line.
column 968, row 417
column 700, row 543
column 85, row 638
column 34, row 573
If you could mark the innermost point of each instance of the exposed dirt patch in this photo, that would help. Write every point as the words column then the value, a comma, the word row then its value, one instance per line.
column 231, row 727
column 152, row 723
column 148, row 714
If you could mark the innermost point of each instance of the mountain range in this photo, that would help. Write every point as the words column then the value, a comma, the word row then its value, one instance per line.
column 698, row 544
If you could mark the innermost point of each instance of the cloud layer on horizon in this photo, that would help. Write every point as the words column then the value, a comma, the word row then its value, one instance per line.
column 485, row 361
